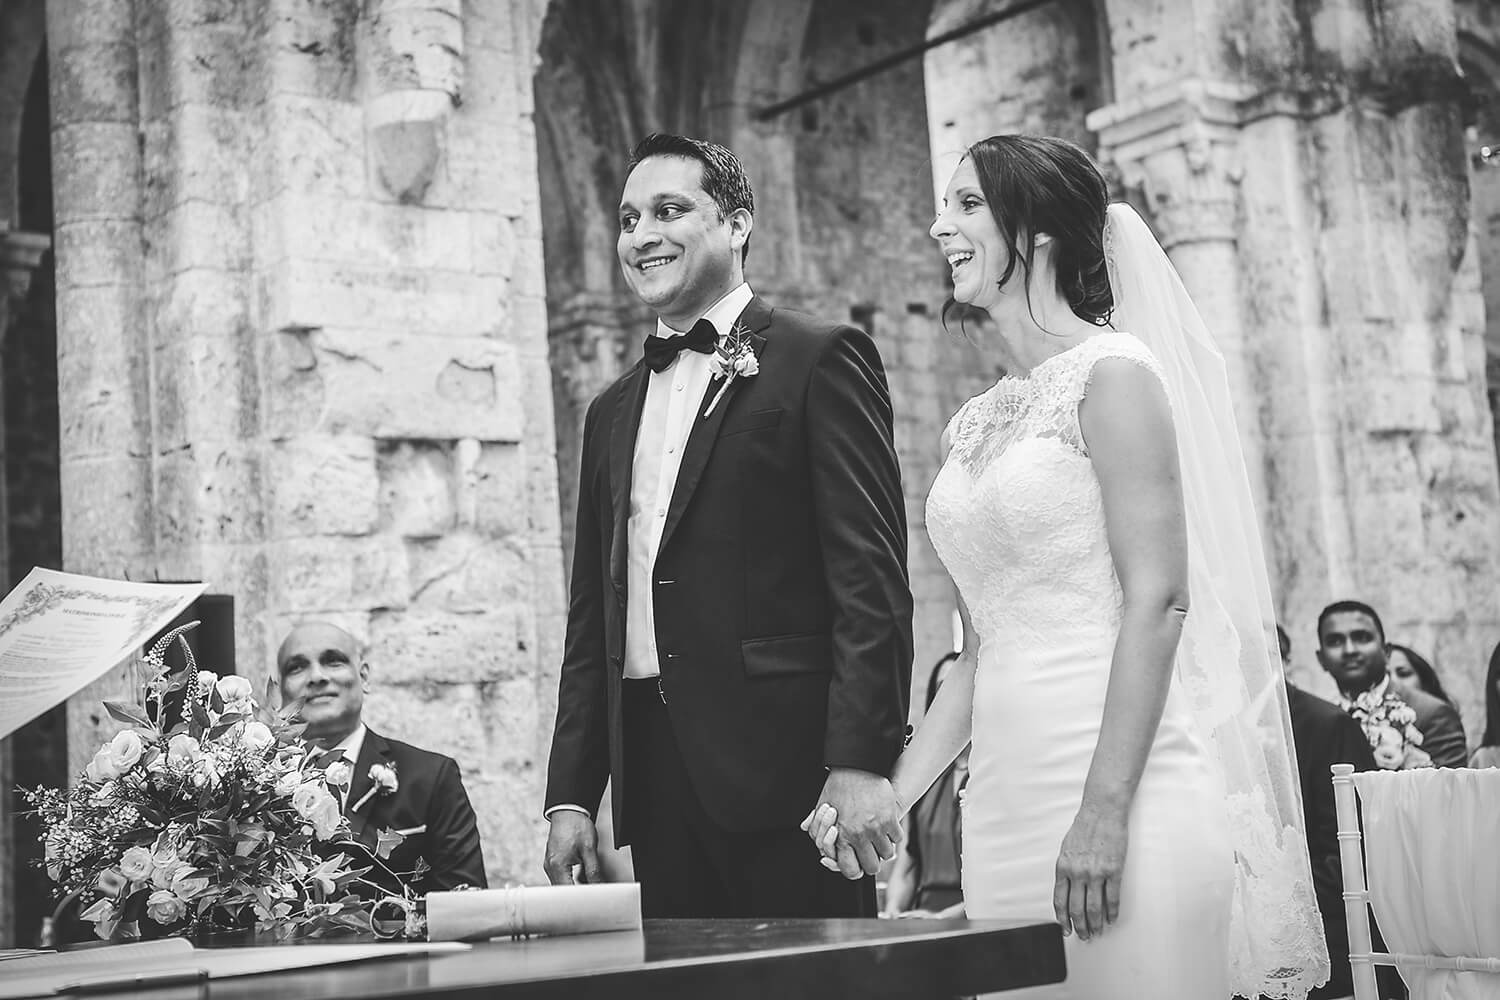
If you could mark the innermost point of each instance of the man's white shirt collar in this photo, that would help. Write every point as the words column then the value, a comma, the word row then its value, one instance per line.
column 721, row 314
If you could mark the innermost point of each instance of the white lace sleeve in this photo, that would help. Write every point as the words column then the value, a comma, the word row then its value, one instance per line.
column 1100, row 348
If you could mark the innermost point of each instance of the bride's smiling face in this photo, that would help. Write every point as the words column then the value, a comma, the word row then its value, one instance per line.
column 977, row 251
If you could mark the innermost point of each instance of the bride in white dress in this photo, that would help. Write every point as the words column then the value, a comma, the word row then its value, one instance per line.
column 1130, row 775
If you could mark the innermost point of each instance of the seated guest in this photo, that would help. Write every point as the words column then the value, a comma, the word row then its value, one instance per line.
column 1323, row 735
column 393, row 786
column 1488, row 753
column 924, row 880
column 1409, row 670
column 1352, row 648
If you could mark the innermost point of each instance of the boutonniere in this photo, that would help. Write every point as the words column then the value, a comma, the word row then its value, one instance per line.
column 383, row 780
column 733, row 358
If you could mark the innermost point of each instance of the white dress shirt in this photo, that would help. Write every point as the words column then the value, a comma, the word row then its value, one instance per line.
column 674, row 398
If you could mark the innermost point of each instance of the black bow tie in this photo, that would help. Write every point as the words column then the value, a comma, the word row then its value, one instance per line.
column 662, row 351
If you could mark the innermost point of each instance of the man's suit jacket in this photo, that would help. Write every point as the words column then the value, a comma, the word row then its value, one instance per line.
column 429, row 793
column 1323, row 734
column 782, row 605
column 1441, row 728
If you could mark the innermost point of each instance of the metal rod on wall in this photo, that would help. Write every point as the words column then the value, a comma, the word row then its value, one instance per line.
column 895, row 58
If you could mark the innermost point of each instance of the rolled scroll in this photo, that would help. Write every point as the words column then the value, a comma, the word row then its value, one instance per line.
column 478, row 915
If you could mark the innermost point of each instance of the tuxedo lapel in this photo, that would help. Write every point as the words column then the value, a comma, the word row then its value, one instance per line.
column 627, row 423
column 374, row 751
column 705, row 432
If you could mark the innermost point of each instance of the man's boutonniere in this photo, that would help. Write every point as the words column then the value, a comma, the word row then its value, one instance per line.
column 732, row 358
column 383, row 780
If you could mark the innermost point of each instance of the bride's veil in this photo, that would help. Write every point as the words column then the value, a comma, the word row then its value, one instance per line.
column 1228, row 663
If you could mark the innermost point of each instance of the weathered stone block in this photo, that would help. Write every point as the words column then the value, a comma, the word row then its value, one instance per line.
column 365, row 234
column 88, row 252
column 204, row 303
column 209, row 494
column 500, row 490
column 439, row 649
column 196, row 153
column 311, row 49
column 318, row 294
column 200, row 234
column 463, row 573
column 316, row 146
column 493, row 243
column 96, row 177
column 323, row 485
column 414, row 386
column 416, row 488
column 95, row 82
column 295, row 398
column 106, row 536
column 318, row 576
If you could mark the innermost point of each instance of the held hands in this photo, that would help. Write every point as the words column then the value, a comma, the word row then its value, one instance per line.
column 572, row 842
column 1087, row 894
column 857, row 826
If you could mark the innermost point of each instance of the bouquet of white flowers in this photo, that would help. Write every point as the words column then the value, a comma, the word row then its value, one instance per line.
column 1390, row 726
column 214, row 819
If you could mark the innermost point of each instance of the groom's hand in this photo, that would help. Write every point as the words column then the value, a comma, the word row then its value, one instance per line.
column 869, row 818
column 572, row 841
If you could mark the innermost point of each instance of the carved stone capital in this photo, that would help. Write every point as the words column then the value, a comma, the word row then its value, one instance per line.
column 20, row 253
column 1175, row 151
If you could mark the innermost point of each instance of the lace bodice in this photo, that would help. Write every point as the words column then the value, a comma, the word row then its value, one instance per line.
column 1016, row 514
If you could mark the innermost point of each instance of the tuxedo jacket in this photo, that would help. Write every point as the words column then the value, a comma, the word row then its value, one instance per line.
column 429, row 794
column 781, row 600
column 1441, row 728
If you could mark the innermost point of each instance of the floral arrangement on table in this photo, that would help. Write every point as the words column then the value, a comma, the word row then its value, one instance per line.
column 1390, row 724
column 216, row 819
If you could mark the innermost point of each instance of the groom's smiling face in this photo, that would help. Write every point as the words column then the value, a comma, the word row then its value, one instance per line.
column 679, row 253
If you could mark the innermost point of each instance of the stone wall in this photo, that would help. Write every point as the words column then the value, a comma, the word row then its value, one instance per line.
column 301, row 295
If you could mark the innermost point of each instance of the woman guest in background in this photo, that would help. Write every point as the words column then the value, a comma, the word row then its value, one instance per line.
column 1408, row 670
column 1139, row 791
column 924, row 882
column 1488, row 754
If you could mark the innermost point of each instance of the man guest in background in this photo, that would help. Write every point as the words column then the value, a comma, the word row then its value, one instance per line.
column 739, row 628
column 393, row 787
column 1352, row 648
column 1323, row 735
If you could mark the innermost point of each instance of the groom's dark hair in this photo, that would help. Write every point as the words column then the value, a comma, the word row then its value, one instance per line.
column 724, row 177
column 1350, row 607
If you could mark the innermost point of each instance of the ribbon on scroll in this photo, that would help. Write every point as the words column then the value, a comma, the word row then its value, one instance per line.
column 481, row 914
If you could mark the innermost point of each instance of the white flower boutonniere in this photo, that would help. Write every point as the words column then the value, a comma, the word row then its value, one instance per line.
column 733, row 358
column 384, row 781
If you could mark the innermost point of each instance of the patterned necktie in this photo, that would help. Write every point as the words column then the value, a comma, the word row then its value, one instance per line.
column 662, row 351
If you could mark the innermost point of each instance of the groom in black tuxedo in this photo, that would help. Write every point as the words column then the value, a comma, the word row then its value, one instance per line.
column 739, row 626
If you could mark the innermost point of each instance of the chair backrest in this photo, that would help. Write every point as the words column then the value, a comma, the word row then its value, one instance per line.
column 1429, row 838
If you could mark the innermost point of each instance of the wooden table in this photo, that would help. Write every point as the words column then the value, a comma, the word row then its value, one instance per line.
column 707, row 959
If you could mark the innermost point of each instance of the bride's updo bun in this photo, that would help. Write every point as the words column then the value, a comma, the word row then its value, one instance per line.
column 1038, row 184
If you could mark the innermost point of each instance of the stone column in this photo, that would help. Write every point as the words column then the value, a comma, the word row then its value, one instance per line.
column 103, row 345
column 1176, row 152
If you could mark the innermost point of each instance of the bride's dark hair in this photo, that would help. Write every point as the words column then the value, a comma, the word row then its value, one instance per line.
column 1038, row 184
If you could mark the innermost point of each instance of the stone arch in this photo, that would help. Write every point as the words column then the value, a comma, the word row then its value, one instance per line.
column 30, row 495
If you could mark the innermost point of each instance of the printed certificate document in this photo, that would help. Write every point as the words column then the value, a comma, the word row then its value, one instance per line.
column 60, row 632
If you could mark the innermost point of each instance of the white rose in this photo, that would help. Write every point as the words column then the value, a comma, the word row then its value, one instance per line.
column 164, row 865
column 315, row 804
column 164, row 907
column 135, row 864
column 183, row 748
column 338, row 773
column 102, row 767
column 233, row 688
column 125, row 749
column 288, row 783
column 206, row 681
column 257, row 735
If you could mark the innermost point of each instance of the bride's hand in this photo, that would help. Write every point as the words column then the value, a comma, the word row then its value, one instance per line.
column 1087, row 894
